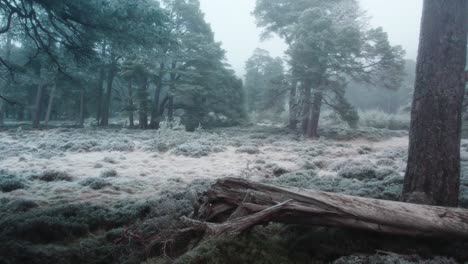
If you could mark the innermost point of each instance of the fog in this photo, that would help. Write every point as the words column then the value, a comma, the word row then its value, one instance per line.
column 235, row 27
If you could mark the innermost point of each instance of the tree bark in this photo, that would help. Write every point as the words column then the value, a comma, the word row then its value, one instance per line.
column 293, row 106
column 170, row 108
column 38, row 106
column 49, row 105
column 82, row 107
column 313, row 124
column 433, row 172
column 108, row 100
column 100, row 87
column 307, row 105
column 130, row 104
column 2, row 113
column 143, row 104
column 155, row 113
column 232, row 206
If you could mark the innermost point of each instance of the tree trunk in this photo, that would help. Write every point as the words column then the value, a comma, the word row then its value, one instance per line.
column 232, row 206
column 293, row 106
column 131, row 106
column 313, row 124
column 49, row 105
column 170, row 109
column 8, row 48
column 100, row 87
column 82, row 107
column 143, row 104
column 307, row 105
column 433, row 172
column 38, row 106
column 155, row 113
column 2, row 113
column 108, row 100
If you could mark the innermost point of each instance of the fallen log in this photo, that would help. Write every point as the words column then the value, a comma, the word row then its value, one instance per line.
column 232, row 206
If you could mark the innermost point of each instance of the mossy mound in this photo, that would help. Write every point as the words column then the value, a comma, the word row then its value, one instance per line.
column 88, row 232
column 53, row 176
column 9, row 183
column 387, row 186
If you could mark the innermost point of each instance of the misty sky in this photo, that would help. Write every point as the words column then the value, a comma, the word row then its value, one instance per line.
column 234, row 26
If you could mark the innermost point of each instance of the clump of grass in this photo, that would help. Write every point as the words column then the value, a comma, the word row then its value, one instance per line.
column 9, row 183
column 252, row 150
column 96, row 183
column 382, row 120
column 197, row 149
column 53, row 176
column 111, row 173
column 109, row 160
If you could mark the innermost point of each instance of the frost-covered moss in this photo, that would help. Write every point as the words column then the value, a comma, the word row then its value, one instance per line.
column 252, row 150
column 52, row 176
column 110, row 173
column 197, row 149
column 96, row 183
column 388, row 187
column 344, row 133
column 9, row 183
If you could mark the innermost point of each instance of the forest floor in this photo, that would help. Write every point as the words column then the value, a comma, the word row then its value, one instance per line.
column 65, row 191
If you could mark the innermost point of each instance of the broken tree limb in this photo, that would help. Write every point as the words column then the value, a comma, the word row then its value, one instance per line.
column 232, row 206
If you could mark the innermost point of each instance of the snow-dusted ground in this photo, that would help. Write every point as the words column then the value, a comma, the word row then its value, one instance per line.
column 141, row 164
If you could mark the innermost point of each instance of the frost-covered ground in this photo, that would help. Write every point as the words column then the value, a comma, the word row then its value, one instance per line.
column 111, row 165
column 67, row 195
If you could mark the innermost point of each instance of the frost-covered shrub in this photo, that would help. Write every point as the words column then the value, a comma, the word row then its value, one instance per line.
column 80, row 146
column 364, row 150
column 380, row 119
column 385, row 162
column 343, row 133
column 252, row 150
column 300, row 179
column 48, row 229
column 122, row 145
column 387, row 188
column 197, row 149
column 95, row 183
column 9, row 183
column 109, row 160
column 109, row 173
column 53, row 176
column 22, row 205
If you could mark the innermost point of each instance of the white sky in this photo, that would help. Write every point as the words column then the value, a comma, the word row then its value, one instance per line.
column 234, row 26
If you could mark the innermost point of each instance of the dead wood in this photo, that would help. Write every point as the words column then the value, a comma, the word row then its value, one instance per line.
column 232, row 206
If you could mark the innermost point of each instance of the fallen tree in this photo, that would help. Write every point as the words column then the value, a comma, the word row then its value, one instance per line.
column 232, row 206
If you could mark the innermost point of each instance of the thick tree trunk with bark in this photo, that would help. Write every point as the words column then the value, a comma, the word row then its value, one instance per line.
column 232, row 206
column 433, row 173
